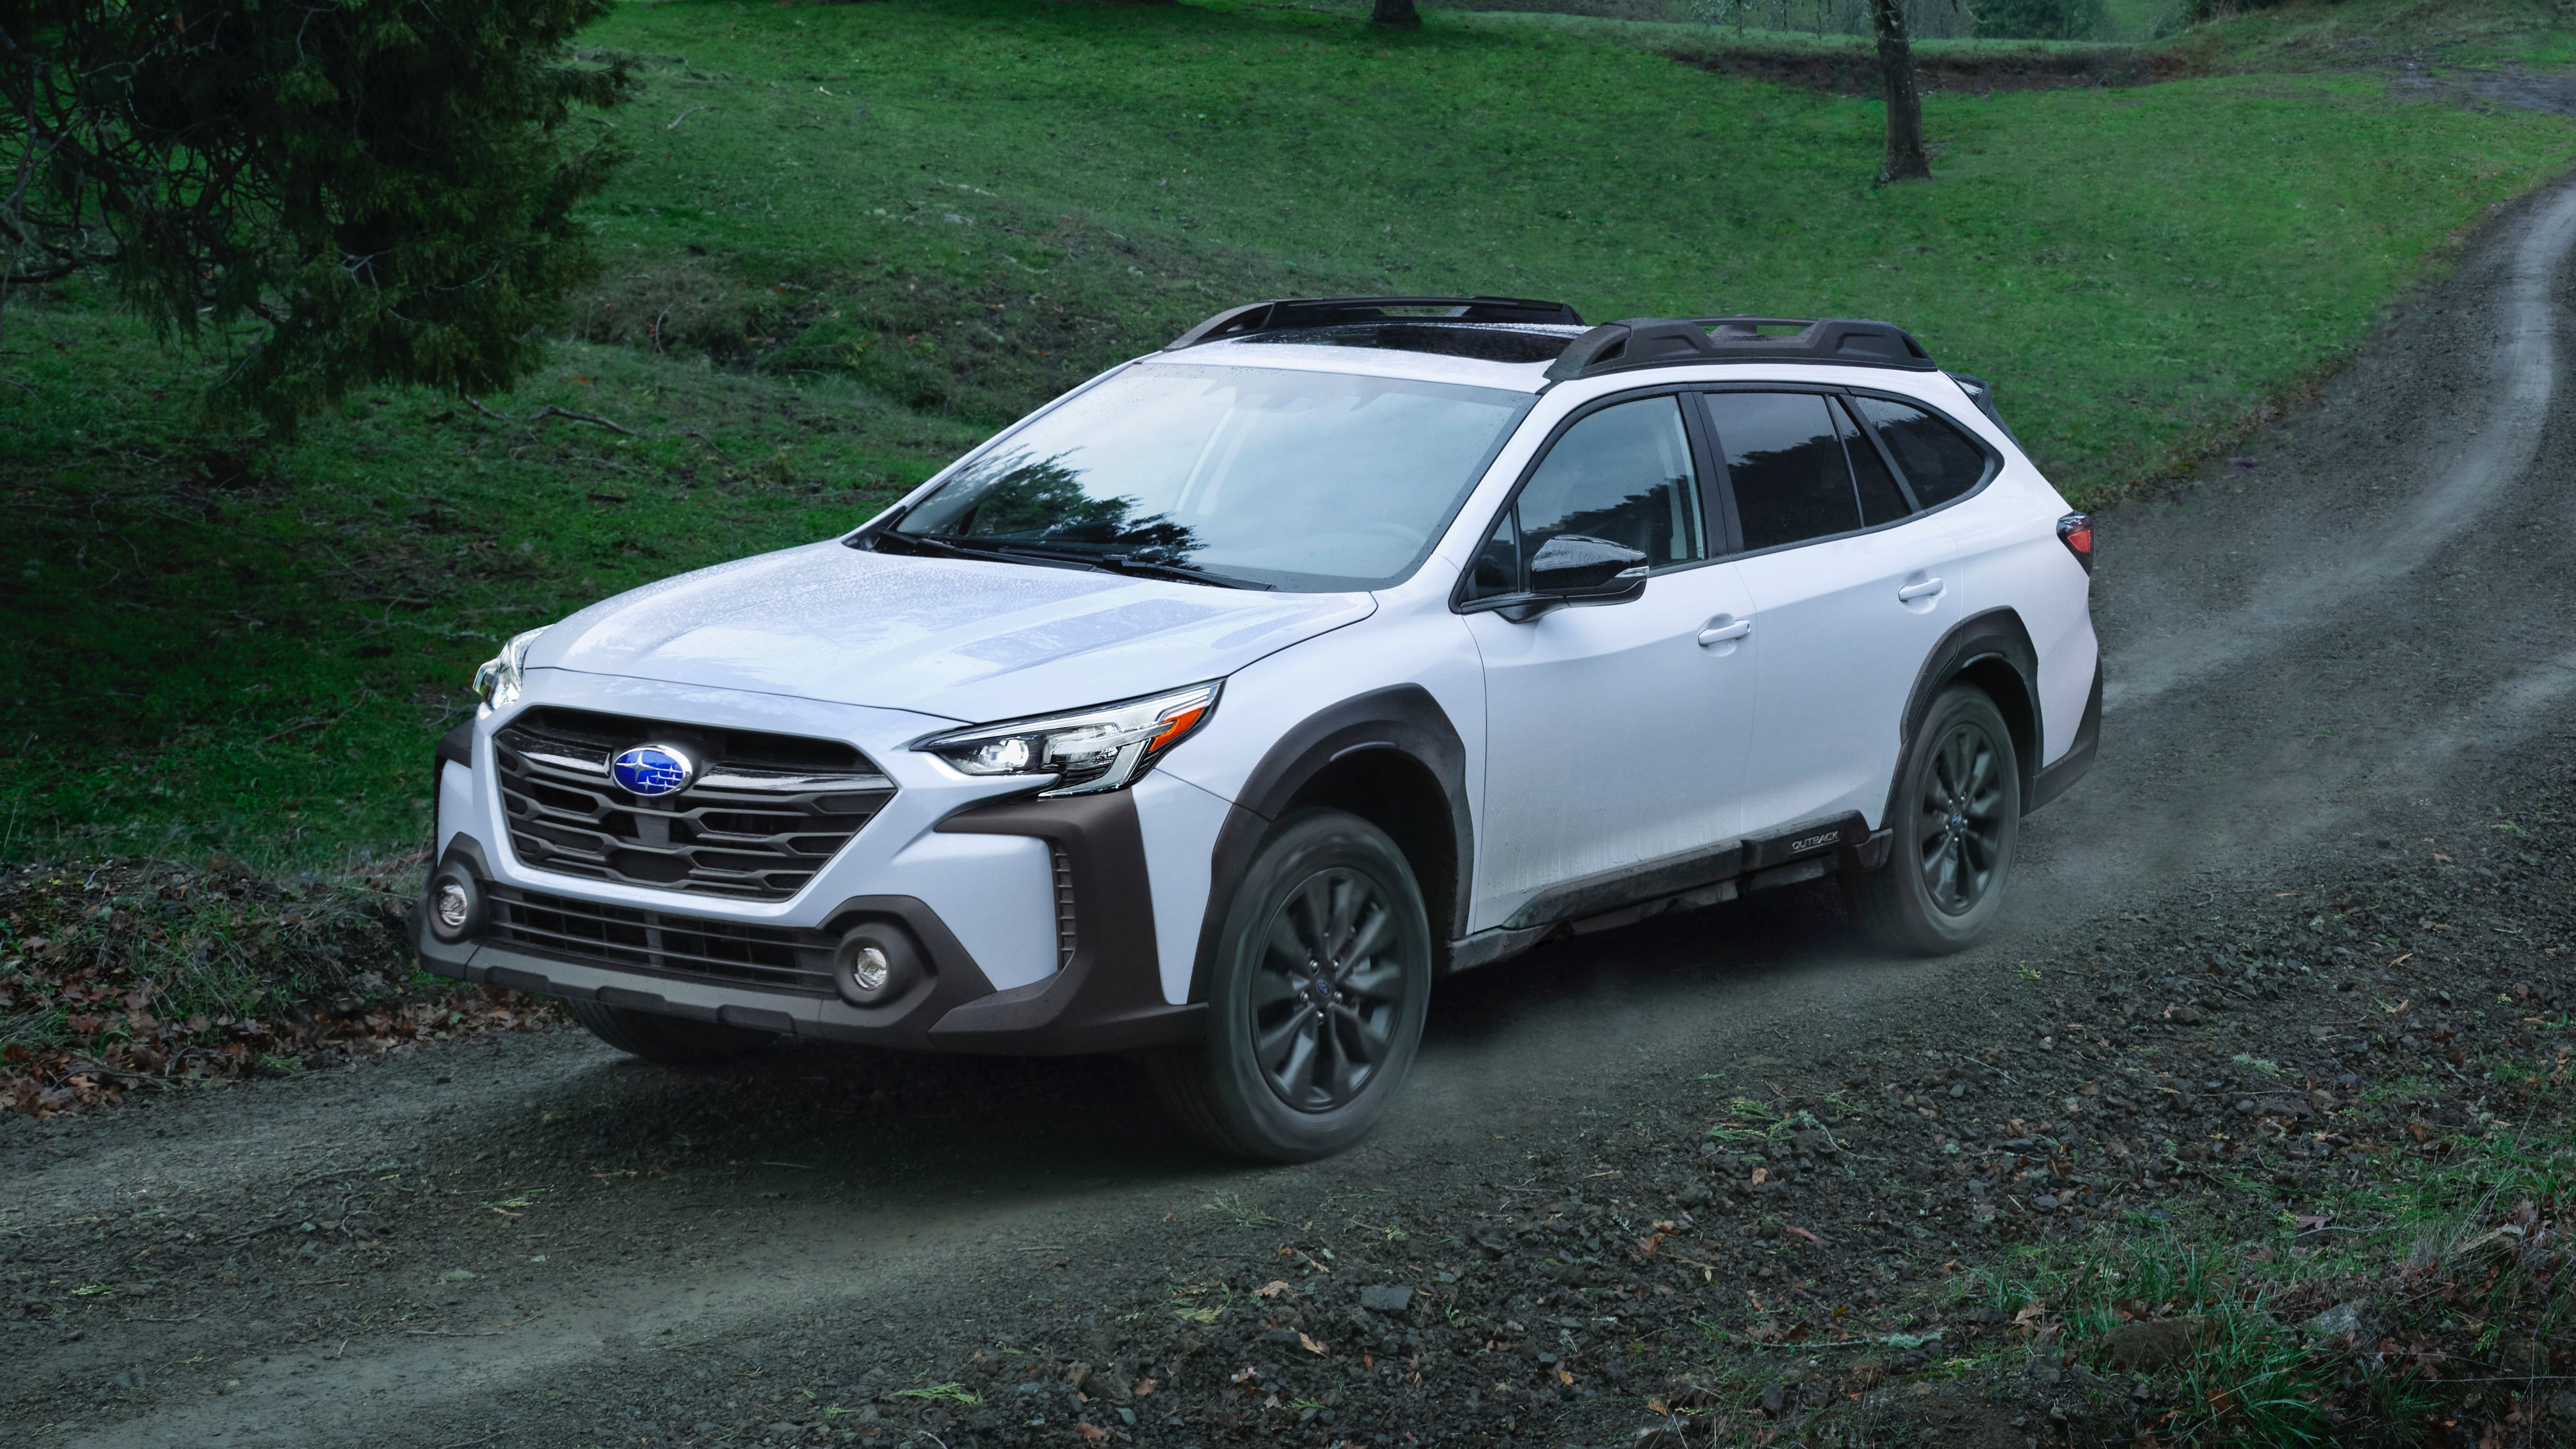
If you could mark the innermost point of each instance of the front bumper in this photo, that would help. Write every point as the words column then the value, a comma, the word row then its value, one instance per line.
column 1107, row 996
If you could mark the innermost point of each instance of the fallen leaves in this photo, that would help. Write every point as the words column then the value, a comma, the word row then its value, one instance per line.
column 112, row 951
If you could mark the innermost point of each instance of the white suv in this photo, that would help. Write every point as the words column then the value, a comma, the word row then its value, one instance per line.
column 1213, row 710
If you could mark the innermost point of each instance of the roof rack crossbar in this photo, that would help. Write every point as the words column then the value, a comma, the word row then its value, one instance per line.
column 1672, row 341
column 1284, row 313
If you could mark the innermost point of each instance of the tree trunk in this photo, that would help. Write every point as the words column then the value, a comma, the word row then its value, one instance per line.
column 1396, row 15
column 1905, row 160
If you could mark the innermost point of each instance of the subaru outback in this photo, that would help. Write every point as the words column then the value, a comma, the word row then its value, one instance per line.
column 1216, row 709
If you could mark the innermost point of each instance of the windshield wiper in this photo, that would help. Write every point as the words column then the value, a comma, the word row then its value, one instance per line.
column 948, row 548
column 1107, row 563
column 1111, row 563
column 1155, row 569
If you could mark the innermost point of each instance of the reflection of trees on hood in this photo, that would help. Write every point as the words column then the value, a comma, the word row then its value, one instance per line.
column 1044, row 501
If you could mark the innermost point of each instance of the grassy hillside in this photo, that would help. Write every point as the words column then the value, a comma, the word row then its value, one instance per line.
column 854, row 238
column 2161, row 257
column 2341, row 34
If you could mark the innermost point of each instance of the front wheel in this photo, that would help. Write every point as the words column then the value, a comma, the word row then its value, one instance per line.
column 1316, row 1003
column 1956, row 819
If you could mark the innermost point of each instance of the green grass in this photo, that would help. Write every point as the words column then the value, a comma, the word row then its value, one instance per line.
column 854, row 238
column 2412, row 1240
column 217, row 648
column 2135, row 268
column 2338, row 34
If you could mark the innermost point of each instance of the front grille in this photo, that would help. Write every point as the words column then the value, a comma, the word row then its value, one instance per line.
column 661, row 943
column 764, row 814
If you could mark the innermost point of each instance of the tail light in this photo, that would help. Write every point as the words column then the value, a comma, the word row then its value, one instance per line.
column 2075, row 530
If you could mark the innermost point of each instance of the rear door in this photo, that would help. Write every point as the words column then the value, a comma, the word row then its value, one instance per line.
column 1615, row 733
column 1849, row 595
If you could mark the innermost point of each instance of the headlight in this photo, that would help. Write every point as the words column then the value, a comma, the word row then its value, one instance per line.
column 498, row 678
column 1108, row 748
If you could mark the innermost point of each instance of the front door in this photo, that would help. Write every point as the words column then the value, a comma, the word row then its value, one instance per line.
column 1615, row 733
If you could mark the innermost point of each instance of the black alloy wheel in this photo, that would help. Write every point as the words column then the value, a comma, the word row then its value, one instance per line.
column 1316, row 994
column 1959, row 844
column 1955, row 817
column 1327, row 994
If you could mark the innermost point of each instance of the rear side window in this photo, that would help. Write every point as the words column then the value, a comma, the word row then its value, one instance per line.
column 1938, row 459
column 1784, row 459
column 1880, row 500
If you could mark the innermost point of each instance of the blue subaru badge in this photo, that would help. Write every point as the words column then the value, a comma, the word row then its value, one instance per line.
column 652, row 770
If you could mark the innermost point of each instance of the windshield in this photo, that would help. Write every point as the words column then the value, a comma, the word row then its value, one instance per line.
column 1257, row 477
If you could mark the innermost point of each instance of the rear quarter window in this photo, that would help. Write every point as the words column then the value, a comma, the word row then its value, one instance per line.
column 1940, row 461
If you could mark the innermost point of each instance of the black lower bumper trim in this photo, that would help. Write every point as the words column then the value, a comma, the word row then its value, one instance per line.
column 1104, row 1006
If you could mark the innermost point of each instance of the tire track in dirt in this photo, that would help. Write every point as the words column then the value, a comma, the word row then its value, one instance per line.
column 2495, row 454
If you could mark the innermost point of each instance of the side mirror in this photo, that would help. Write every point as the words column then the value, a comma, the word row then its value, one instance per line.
column 1572, row 565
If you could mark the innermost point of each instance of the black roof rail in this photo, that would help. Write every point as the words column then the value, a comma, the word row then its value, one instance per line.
column 1673, row 342
column 1290, row 312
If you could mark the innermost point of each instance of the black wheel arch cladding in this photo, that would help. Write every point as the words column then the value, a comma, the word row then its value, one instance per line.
column 1993, row 651
column 1391, row 757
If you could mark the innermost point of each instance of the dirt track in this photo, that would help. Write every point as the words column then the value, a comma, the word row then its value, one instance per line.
column 2350, row 640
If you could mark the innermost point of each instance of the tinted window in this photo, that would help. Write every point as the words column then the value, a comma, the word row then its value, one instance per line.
column 1880, row 499
column 1623, row 474
column 1786, row 464
column 1938, row 459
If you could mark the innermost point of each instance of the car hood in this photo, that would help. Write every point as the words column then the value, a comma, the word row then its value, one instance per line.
column 961, row 638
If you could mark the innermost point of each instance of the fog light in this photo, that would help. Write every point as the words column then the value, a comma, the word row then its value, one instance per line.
column 870, row 970
column 455, row 906
column 878, row 964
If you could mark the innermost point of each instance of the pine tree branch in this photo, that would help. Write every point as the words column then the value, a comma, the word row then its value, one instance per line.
column 550, row 411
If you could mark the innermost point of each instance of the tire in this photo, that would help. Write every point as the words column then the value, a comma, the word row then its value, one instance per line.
column 1321, row 979
column 671, row 1040
column 1956, row 815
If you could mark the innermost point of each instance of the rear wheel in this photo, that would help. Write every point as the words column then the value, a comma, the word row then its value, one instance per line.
column 1956, row 819
column 1315, row 1010
column 670, row 1040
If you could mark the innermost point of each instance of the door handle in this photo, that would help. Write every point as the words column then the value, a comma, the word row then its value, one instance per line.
column 1923, row 590
column 1717, row 633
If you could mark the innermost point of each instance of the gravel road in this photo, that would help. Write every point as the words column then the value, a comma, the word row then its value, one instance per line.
column 2331, row 657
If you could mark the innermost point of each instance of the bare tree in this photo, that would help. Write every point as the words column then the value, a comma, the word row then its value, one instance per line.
column 1905, row 159
column 1396, row 15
